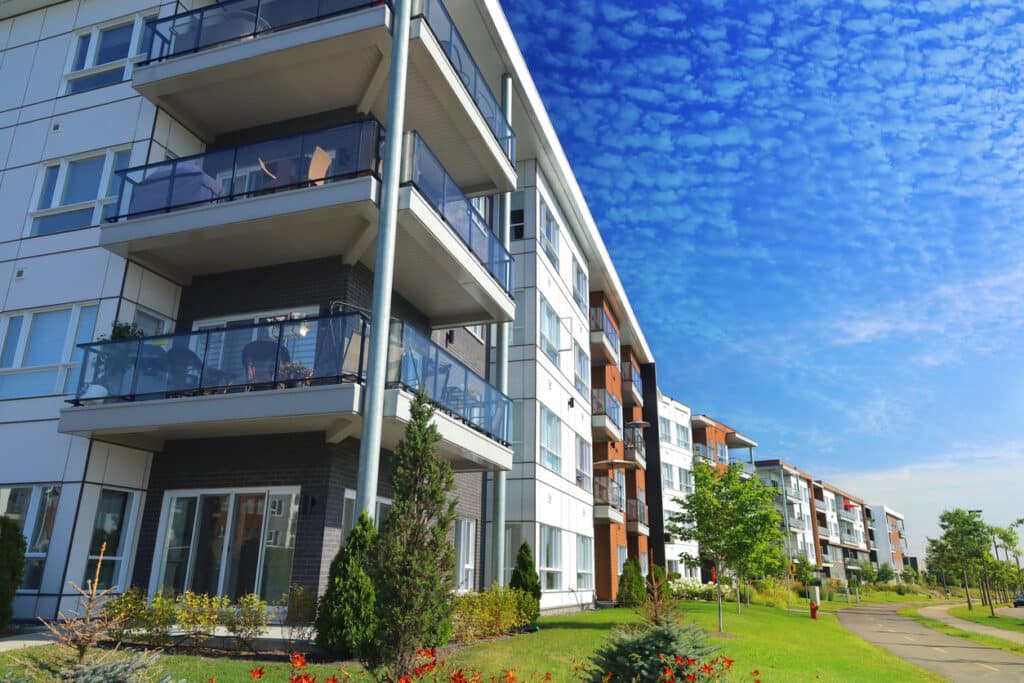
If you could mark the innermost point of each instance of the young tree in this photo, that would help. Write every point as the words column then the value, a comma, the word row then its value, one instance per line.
column 12, row 565
column 415, row 563
column 632, row 589
column 962, row 544
column 524, row 576
column 868, row 573
column 885, row 573
column 729, row 516
column 346, row 622
column 804, row 571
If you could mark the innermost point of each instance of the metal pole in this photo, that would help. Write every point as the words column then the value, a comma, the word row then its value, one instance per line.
column 384, row 270
column 501, row 360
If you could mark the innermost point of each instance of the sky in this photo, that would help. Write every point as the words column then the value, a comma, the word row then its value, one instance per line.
column 817, row 210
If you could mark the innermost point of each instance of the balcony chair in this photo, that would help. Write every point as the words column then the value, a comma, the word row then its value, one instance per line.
column 151, row 371
column 215, row 28
column 260, row 360
column 191, row 185
column 184, row 370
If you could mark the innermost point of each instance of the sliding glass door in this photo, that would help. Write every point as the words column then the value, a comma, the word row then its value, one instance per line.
column 229, row 543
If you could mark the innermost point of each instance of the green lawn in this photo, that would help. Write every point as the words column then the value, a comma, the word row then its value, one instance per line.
column 785, row 647
column 982, row 615
column 942, row 627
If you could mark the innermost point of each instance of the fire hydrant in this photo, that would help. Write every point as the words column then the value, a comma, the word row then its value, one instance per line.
column 814, row 610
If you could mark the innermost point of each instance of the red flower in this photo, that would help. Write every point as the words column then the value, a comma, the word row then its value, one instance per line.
column 727, row 662
column 510, row 677
column 608, row 676
column 256, row 674
column 331, row 679
column 706, row 669
column 298, row 660
column 404, row 678
column 755, row 673
column 691, row 678
column 690, row 661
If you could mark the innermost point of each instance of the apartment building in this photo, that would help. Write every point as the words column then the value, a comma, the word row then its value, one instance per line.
column 794, row 489
column 890, row 538
column 212, row 177
column 670, row 479
column 719, row 444
column 842, row 531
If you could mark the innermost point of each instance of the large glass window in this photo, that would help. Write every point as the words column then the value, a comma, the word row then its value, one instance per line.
column 667, row 478
column 584, row 562
column 110, row 529
column 517, row 221
column 465, row 554
column 515, row 535
column 348, row 512
column 38, row 356
column 582, row 369
column 682, row 436
column 548, row 234
column 34, row 509
column 78, row 192
column 664, row 430
column 550, row 440
column 230, row 543
column 549, row 330
column 584, row 463
column 580, row 292
column 622, row 555
column 101, row 57
column 550, row 558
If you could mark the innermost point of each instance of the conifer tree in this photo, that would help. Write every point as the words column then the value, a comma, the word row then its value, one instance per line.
column 346, row 621
column 524, row 576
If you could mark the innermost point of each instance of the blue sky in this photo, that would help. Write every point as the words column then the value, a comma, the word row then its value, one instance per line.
column 817, row 209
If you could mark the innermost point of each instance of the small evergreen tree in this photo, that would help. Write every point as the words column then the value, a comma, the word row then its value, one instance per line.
column 632, row 587
column 635, row 654
column 524, row 576
column 346, row 622
column 12, row 564
column 804, row 570
column 885, row 573
column 415, row 564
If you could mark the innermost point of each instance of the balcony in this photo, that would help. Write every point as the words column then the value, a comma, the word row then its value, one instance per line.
column 637, row 521
column 800, row 524
column 241, row 64
column 851, row 538
column 796, row 493
column 306, row 196
column 609, row 501
column 635, row 447
column 632, row 384
column 703, row 452
column 606, row 415
column 604, row 338
column 302, row 375
column 850, row 515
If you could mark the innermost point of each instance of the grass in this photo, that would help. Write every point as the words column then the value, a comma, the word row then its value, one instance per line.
column 979, row 638
column 982, row 615
column 771, row 640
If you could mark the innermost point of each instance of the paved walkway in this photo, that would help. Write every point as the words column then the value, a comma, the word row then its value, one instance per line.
column 956, row 659
column 27, row 639
column 941, row 612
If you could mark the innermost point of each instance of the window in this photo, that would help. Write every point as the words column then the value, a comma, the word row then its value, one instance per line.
column 216, row 542
column 584, row 463
column 515, row 535
column 477, row 331
column 549, row 329
column 518, row 220
column 548, row 234
column 101, row 57
column 622, row 555
column 550, row 440
column 517, row 430
column 667, row 478
column 723, row 453
column 519, row 322
column 579, row 286
column 685, row 481
column 348, row 512
column 33, row 508
column 78, row 192
column 643, row 564
column 465, row 554
column 682, row 436
column 582, row 370
column 110, row 536
column 37, row 349
column 151, row 324
column 584, row 562
column 550, row 558
column 664, row 430
column 672, row 568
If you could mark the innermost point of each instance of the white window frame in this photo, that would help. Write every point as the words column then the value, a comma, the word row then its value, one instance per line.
column 684, row 432
column 465, row 554
column 668, row 482
column 350, row 495
column 548, row 317
column 156, row 574
column 550, row 567
column 547, row 234
column 31, row 520
column 580, row 278
column 582, row 373
column 584, row 562
column 664, row 430
column 477, row 331
column 127, row 63
column 67, row 363
column 98, row 203
column 166, row 324
column 127, row 549
column 621, row 557
column 549, row 458
column 584, row 464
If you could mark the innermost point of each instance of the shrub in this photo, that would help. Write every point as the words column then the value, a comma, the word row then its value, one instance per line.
column 524, row 576
column 159, row 618
column 126, row 613
column 297, row 608
column 632, row 589
column 199, row 614
column 493, row 612
column 656, row 580
column 12, row 565
column 347, row 620
column 248, row 620
column 634, row 654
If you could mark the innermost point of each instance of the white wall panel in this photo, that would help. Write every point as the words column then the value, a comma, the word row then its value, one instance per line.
column 15, row 194
column 33, row 451
column 118, row 466
column 61, row 241
column 14, row 74
column 37, row 111
column 29, row 140
column 60, row 278
column 47, row 68
column 95, row 128
column 26, row 28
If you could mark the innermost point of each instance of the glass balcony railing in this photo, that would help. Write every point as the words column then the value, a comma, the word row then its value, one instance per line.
column 601, row 322
column 307, row 160
column 631, row 373
column 426, row 173
column 636, row 511
column 281, row 355
column 194, row 30
column 702, row 451
column 849, row 514
column 418, row 364
column 604, row 403
column 443, row 27
column 636, row 448
column 609, row 492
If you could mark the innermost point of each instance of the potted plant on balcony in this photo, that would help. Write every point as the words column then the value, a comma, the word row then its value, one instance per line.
column 294, row 373
column 112, row 361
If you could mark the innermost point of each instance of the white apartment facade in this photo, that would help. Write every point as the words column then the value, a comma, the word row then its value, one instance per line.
column 258, row 256
column 676, row 454
column 890, row 538
column 793, row 500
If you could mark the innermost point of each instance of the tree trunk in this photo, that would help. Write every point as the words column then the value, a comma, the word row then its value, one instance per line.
column 988, row 587
column 967, row 587
column 739, row 592
column 718, row 586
